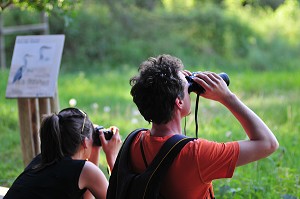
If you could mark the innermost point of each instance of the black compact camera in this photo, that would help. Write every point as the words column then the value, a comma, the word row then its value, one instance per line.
column 107, row 134
column 194, row 87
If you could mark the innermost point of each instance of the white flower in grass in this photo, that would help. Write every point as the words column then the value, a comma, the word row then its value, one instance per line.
column 72, row 102
column 106, row 109
column 228, row 134
column 135, row 112
column 134, row 121
column 95, row 106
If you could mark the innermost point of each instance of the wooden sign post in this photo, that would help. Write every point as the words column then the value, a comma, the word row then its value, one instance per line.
column 33, row 81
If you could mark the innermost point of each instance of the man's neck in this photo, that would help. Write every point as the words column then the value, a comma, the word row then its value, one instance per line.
column 172, row 127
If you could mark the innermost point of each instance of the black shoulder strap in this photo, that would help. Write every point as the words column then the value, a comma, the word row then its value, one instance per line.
column 117, row 188
column 142, row 150
column 162, row 161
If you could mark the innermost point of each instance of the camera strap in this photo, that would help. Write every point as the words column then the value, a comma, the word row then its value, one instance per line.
column 196, row 115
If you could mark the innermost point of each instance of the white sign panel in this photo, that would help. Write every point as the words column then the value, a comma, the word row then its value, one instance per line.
column 35, row 66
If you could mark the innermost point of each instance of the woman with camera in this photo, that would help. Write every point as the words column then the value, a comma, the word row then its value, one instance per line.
column 68, row 164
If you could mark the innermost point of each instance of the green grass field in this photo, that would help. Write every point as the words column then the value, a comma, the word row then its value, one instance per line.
column 274, row 96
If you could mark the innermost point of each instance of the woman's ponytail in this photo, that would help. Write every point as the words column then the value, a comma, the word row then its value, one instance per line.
column 50, row 135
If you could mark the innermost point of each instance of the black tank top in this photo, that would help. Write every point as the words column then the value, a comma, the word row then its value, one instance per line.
column 59, row 180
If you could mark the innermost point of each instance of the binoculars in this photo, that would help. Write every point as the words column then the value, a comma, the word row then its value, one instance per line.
column 194, row 87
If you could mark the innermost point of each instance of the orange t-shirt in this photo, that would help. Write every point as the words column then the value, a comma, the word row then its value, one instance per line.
column 190, row 175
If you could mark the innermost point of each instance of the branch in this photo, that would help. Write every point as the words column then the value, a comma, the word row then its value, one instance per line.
column 5, row 5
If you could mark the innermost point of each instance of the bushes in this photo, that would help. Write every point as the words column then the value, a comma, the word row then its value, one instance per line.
column 233, row 36
column 211, row 35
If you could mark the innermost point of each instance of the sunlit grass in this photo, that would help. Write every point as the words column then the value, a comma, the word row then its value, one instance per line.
column 105, row 97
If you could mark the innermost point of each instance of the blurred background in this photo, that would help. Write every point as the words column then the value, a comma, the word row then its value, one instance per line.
column 256, row 42
column 244, row 34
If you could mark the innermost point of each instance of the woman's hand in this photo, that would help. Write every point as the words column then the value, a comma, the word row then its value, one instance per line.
column 111, row 147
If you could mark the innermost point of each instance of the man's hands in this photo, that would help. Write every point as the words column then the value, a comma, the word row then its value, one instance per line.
column 215, row 87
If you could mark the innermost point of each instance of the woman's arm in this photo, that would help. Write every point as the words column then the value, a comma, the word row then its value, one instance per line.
column 92, row 177
column 94, row 158
column 94, row 180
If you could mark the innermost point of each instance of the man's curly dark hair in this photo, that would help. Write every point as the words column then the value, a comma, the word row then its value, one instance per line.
column 156, row 87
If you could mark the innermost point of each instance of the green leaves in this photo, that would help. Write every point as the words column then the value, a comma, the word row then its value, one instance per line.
column 49, row 6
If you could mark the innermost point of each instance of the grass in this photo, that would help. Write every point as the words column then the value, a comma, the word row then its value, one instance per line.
column 105, row 97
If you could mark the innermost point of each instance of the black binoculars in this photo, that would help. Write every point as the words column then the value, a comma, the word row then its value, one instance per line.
column 194, row 87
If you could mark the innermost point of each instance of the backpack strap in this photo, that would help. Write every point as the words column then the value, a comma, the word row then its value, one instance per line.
column 162, row 161
column 142, row 150
column 116, row 188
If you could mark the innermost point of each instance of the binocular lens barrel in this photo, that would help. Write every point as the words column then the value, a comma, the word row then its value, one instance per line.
column 194, row 87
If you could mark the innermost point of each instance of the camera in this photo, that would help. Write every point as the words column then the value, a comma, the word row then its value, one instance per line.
column 194, row 87
column 107, row 134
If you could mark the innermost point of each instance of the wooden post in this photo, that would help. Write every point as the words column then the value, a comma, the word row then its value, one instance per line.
column 45, row 107
column 2, row 45
column 54, row 103
column 35, row 121
column 27, row 145
column 44, row 19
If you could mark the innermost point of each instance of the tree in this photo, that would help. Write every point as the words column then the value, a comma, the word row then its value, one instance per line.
column 64, row 6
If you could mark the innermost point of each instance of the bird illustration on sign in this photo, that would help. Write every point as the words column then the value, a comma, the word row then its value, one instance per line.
column 22, row 69
column 42, row 52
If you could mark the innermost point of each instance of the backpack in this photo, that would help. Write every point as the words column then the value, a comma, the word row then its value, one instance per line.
column 127, row 184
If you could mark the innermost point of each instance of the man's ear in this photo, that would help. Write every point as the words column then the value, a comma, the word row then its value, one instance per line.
column 179, row 102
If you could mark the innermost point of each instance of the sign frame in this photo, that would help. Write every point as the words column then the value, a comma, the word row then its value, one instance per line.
column 35, row 66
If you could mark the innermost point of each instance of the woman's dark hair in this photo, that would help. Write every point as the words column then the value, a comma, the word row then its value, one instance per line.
column 61, row 134
column 156, row 88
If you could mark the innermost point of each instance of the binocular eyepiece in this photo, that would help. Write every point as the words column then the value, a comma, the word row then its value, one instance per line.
column 194, row 87
column 107, row 134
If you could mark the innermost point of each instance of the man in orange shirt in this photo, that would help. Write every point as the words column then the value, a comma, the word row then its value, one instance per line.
column 160, row 91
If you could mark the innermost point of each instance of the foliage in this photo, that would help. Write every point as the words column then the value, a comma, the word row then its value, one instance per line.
column 235, row 37
column 63, row 6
